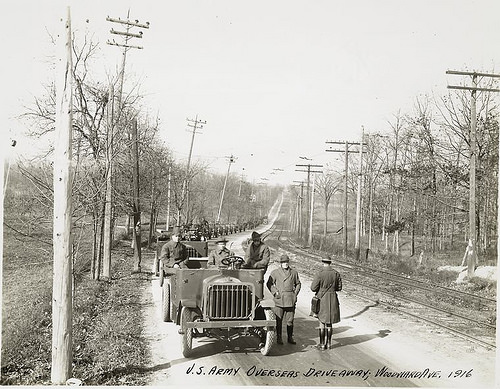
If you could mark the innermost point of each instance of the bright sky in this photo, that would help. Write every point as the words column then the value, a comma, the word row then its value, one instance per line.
column 274, row 79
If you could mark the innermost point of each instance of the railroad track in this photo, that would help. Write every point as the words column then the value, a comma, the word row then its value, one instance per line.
column 464, row 314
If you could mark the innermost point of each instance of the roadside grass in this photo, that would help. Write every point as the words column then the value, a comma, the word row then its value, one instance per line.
column 26, row 309
column 108, row 347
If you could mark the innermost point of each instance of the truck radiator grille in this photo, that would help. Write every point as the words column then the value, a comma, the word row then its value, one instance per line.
column 233, row 301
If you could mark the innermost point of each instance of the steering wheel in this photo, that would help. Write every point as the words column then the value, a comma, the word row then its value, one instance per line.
column 232, row 260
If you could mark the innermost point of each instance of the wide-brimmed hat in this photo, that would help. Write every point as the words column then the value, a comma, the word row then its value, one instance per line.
column 221, row 240
column 255, row 235
column 284, row 258
column 326, row 259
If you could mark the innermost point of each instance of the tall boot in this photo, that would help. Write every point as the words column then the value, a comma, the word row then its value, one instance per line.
column 321, row 345
column 289, row 332
column 329, row 332
column 278, row 331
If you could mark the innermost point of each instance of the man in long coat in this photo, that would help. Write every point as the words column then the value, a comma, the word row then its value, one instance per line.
column 326, row 283
column 174, row 253
column 216, row 256
column 258, row 254
column 284, row 284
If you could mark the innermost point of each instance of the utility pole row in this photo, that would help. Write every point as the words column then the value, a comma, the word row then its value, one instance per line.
column 309, row 197
column 346, row 152
column 114, row 115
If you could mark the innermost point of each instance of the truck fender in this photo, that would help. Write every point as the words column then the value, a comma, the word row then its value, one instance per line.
column 190, row 303
column 267, row 303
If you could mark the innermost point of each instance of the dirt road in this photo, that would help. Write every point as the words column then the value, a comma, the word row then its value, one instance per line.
column 372, row 347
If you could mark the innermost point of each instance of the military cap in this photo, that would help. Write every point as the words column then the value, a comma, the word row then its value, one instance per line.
column 176, row 230
column 284, row 258
column 255, row 235
column 326, row 259
column 221, row 240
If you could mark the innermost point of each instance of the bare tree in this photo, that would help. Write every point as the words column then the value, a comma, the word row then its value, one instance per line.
column 327, row 184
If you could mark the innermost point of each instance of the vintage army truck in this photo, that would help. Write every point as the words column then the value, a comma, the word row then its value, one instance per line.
column 222, row 303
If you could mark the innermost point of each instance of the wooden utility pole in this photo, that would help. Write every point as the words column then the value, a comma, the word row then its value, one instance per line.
column 231, row 160
column 136, row 204
column 471, row 250
column 195, row 125
column 169, row 179
column 299, row 208
column 346, row 152
column 62, row 293
column 309, row 240
column 111, row 120
column 358, row 198
column 108, row 211
column 241, row 182
column 308, row 201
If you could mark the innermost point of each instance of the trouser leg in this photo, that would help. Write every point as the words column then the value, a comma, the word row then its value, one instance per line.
column 329, row 332
column 279, row 323
column 288, row 316
column 321, row 345
column 289, row 330
column 322, row 336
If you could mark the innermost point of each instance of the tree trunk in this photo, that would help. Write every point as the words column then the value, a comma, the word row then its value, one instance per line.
column 325, row 229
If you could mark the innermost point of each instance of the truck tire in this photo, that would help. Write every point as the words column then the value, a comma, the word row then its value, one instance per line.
column 156, row 267
column 173, row 309
column 165, row 302
column 187, row 333
column 270, row 334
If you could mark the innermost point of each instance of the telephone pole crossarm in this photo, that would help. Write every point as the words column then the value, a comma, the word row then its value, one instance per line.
column 128, row 34
column 128, row 22
column 125, row 46
column 473, row 88
column 461, row 73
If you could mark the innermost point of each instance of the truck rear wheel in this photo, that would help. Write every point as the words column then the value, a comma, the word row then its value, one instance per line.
column 173, row 310
column 156, row 265
column 166, row 303
column 187, row 333
column 162, row 273
column 270, row 339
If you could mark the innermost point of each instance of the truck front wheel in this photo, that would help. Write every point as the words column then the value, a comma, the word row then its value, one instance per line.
column 270, row 336
column 166, row 303
column 187, row 333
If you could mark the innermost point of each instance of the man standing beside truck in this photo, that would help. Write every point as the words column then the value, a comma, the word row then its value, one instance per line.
column 284, row 284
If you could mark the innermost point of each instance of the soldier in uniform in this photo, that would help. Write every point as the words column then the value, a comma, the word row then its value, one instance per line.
column 258, row 254
column 216, row 256
column 326, row 283
column 174, row 253
column 284, row 284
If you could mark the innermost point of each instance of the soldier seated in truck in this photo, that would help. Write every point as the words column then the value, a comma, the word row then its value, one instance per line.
column 174, row 254
column 258, row 254
column 216, row 256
